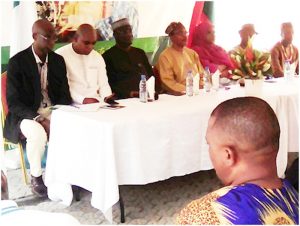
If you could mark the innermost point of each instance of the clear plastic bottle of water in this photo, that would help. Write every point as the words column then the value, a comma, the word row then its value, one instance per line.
column 189, row 83
column 207, row 79
column 143, row 89
column 287, row 71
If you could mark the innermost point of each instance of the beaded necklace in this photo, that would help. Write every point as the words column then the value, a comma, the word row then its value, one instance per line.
column 285, row 52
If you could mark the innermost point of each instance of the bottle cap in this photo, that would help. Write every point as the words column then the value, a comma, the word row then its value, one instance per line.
column 143, row 76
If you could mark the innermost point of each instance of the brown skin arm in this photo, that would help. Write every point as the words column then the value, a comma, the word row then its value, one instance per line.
column 110, row 99
column 90, row 101
column 46, row 124
column 134, row 94
column 276, row 67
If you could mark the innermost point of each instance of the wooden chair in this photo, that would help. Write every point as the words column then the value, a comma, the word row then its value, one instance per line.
column 158, row 87
column 7, row 144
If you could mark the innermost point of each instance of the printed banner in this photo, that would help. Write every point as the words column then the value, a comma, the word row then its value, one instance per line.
column 147, row 18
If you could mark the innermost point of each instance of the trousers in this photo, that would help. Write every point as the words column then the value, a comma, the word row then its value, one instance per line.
column 36, row 140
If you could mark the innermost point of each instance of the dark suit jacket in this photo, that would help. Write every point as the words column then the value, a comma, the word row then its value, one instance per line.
column 124, row 69
column 24, row 89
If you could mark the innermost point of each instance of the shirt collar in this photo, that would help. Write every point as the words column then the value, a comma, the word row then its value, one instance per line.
column 37, row 59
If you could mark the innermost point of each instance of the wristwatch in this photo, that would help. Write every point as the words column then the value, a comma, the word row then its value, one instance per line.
column 38, row 118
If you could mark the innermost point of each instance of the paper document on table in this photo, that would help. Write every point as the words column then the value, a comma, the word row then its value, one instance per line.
column 79, row 107
column 151, row 87
column 112, row 107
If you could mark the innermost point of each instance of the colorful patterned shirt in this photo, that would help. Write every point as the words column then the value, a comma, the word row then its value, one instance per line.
column 280, row 54
column 244, row 204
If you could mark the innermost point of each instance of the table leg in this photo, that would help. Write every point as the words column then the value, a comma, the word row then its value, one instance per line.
column 122, row 209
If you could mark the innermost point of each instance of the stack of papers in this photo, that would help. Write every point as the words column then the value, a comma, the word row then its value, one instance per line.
column 78, row 107
column 86, row 107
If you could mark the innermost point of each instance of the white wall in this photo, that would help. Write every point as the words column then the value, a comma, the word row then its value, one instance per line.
column 5, row 19
column 266, row 16
column 230, row 15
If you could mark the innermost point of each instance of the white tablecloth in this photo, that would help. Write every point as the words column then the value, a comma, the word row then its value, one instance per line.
column 147, row 142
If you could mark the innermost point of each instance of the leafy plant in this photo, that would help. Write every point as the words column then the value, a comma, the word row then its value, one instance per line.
column 250, row 63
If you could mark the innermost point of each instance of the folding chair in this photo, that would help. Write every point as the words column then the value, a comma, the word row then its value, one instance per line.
column 4, row 110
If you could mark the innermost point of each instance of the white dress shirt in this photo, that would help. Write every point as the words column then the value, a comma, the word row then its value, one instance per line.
column 86, row 74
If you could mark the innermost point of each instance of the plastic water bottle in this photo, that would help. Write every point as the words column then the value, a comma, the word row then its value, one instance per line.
column 207, row 79
column 189, row 84
column 143, row 89
column 287, row 70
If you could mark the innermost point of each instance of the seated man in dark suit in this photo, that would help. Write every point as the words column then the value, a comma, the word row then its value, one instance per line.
column 36, row 80
column 124, row 63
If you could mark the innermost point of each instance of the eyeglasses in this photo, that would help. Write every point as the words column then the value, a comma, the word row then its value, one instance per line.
column 48, row 38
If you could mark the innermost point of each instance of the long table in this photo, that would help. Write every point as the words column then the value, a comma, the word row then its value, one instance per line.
column 148, row 142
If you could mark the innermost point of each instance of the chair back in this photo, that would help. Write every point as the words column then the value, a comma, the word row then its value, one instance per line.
column 4, row 111
column 3, row 93
column 158, row 87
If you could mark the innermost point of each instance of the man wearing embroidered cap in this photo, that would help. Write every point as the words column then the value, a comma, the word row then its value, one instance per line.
column 246, row 32
column 124, row 63
column 120, row 23
column 175, row 61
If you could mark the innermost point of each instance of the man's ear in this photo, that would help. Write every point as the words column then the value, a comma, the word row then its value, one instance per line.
column 34, row 36
column 75, row 37
column 230, row 156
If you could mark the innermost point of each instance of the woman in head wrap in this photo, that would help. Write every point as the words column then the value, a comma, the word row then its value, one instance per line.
column 211, row 55
column 175, row 61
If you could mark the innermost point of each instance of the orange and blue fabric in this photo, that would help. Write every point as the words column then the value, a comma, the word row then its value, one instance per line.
column 244, row 204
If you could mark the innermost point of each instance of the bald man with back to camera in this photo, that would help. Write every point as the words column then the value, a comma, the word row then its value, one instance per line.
column 243, row 138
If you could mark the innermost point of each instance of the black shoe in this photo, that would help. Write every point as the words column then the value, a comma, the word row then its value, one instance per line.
column 38, row 187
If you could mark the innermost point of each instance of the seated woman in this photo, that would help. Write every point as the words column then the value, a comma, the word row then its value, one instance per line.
column 175, row 61
column 211, row 55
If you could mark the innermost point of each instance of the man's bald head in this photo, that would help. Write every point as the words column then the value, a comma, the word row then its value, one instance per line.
column 44, row 37
column 85, row 29
column 42, row 26
column 85, row 39
column 249, row 121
